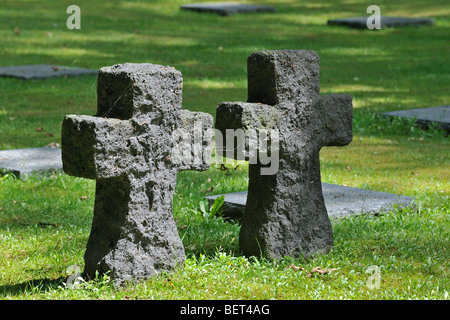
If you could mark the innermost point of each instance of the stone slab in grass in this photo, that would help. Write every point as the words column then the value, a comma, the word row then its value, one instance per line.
column 439, row 116
column 26, row 161
column 43, row 71
column 227, row 8
column 386, row 22
column 340, row 201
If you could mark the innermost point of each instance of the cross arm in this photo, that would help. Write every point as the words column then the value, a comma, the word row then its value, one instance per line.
column 245, row 116
column 242, row 120
column 94, row 147
column 337, row 111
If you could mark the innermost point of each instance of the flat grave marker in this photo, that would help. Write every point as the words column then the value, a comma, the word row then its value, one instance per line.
column 426, row 116
column 340, row 201
column 227, row 8
column 26, row 161
column 385, row 21
column 43, row 71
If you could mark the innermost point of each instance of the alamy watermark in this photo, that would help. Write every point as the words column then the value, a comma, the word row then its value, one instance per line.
column 253, row 145
column 74, row 20
column 373, row 282
column 374, row 21
column 74, row 280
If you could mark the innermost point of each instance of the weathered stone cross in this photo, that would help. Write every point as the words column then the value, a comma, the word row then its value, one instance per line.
column 129, row 148
column 285, row 213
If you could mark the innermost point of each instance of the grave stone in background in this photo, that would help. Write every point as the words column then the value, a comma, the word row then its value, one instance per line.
column 386, row 22
column 26, row 161
column 439, row 116
column 340, row 201
column 128, row 147
column 227, row 8
column 43, row 71
column 285, row 212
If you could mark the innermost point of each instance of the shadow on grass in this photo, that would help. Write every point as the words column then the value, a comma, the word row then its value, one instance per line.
column 32, row 286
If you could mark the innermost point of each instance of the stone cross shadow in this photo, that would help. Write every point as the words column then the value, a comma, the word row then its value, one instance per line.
column 131, row 149
column 285, row 211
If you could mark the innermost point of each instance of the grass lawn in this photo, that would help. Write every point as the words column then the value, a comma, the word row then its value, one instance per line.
column 45, row 221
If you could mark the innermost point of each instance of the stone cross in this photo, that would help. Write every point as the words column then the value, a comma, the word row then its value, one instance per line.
column 129, row 147
column 285, row 213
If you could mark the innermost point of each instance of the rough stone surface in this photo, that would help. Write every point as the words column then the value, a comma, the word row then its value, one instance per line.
column 439, row 116
column 227, row 8
column 26, row 161
column 129, row 148
column 340, row 201
column 43, row 71
column 285, row 212
column 386, row 22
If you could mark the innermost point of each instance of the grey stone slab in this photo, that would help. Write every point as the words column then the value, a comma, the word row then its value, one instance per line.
column 227, row 8
column 26, row 161
column 386, row 22
column 340, row 201
column 43, row 71
column 425, row 116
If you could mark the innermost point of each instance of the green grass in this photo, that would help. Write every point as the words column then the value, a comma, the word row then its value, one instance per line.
column 45, row 221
